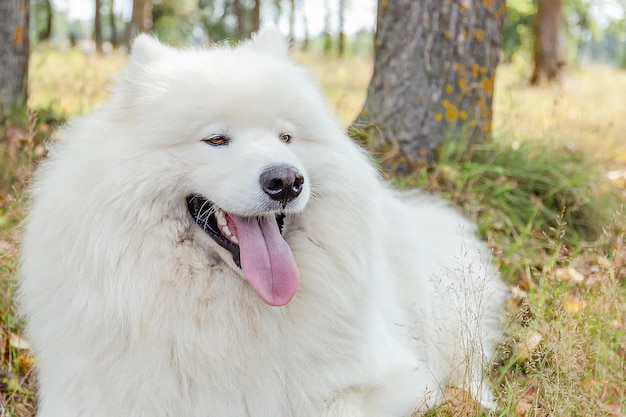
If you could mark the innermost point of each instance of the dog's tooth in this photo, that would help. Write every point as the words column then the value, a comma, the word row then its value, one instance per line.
column 234, row 239
column 226, row 231
column 220, row 217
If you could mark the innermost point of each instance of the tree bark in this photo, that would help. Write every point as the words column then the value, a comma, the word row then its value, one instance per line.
column 278, row 11
column 549, row 54
column 256, row 16
column 240, row 15
column 14, row 49
column 112, row 24
column 47, row 31
column 328, row 40
column 138, row 21
column 97, row 25
column 434, row 69
column 342, row 35
column 305, row 28
column 292, row 20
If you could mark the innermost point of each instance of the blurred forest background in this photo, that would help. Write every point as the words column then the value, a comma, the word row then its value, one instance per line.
column 543, row 174
column 595, row 30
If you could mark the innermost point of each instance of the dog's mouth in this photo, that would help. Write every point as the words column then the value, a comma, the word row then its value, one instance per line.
column 215, row 222
column 256, row 245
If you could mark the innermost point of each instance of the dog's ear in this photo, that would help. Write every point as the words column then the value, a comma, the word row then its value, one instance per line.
column 270, row 41
column 146, row 49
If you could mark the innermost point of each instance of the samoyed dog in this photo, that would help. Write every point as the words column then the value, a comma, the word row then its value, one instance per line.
column 210, row 243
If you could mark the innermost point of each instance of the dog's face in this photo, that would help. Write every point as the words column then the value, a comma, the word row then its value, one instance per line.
column 239, row 127
column 260, row 180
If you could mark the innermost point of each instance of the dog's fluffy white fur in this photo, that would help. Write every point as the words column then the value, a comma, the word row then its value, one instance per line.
column 134, row 310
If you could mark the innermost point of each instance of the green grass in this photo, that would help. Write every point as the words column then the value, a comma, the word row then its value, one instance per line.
column 561, row 243
column 520, row 194
column 539, row 193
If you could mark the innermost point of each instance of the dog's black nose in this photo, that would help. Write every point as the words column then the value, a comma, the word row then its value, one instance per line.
column 282, row 182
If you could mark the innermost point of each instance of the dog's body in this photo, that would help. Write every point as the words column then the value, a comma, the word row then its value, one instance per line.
column 141, row 303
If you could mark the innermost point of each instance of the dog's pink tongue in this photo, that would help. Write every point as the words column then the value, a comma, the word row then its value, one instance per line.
column 266, row 259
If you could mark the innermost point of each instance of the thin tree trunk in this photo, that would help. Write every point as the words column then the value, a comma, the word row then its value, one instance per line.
column 47, row 31
column 98, row 27
column 137, row 22
column 278, row 11
column 112, row 24
column 14, row 49
column 342, row 35
column 434, row 70
column 328, row 40
column 292, row 19
column 548, row 36
column 305, row 28
column 239, row 14
column 256, row 16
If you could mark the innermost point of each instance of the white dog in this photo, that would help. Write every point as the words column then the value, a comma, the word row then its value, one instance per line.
column 210, row 243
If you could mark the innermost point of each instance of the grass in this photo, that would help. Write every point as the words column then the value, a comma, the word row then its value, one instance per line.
column 70, row 83
column 583, row 114
column 539, row 192
column 562, row 245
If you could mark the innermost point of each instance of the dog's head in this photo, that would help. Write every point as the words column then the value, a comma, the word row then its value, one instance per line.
column 240, row 126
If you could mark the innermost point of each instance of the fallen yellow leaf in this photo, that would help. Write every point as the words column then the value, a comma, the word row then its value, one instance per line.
column 18, row 342
column 604, row 262
column 569, row 274
column 459, row 402
column 25, row 362
column 573, row 304
column 526, row 346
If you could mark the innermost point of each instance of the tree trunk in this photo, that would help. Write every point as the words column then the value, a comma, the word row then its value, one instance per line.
column 240, row 15
column 14, row 48
column 278, row 12
column 435, row 63
column 47, row 31
column 328, row 40
column 97, row 25
column 292, row 20
column 342, row 35
column 112, row 24
column 256, row 16
column 138, row 21
column 305, row 28
column 548, row 37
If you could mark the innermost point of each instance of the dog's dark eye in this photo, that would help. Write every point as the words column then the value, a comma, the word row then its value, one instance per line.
column 285, row 137
column 216, row 140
